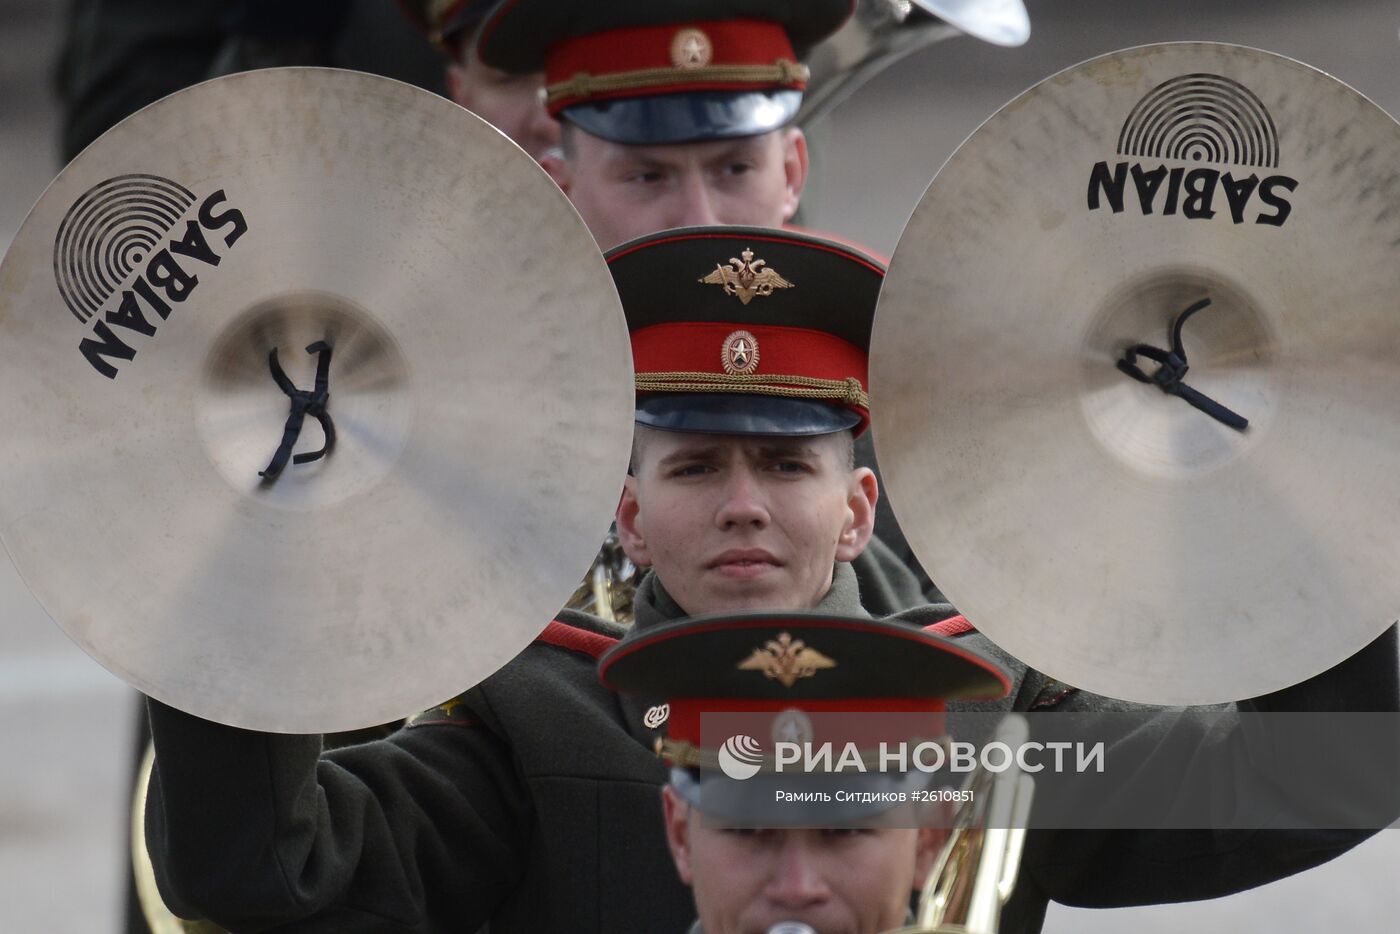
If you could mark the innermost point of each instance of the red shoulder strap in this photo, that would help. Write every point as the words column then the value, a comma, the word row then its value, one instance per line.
column 575, row 639
column 952, row 626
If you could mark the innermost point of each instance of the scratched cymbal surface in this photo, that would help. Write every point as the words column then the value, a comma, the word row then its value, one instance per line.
column 1104, row 531
column 480, row 390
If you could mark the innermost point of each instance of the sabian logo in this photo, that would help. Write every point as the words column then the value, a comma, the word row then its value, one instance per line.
column 1197, row 118
column 121, row 243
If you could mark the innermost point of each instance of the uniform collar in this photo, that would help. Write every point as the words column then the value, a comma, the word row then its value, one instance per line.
column 652, row 605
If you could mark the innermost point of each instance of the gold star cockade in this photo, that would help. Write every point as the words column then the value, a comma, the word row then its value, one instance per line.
column 739, row 353
column 691, row 49
column 746, row 278
column 785, row 660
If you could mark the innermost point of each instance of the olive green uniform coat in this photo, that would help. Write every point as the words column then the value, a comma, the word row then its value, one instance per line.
column 533, row 804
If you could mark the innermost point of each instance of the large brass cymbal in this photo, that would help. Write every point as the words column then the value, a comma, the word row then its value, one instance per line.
column 480, row 389
column 1102, row 530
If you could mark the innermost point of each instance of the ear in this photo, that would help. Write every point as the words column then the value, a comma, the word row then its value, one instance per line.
column 677, row 816
column 862, row 492
column 794, row 169
column 554, row 162
column 629, row 526
column 457, row 84
column 930, row 841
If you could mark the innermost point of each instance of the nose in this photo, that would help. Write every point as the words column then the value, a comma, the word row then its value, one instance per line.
column 743, row 504
column 797, row 880
column 695, row 205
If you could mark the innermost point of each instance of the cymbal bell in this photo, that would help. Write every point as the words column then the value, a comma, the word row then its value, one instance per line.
column 479, row 397
column 1106, row 532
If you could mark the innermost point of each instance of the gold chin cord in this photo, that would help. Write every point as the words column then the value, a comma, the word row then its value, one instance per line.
column 976, row 871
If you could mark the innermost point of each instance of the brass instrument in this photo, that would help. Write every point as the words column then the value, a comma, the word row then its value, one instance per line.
column 976, row 870
column 882, row 32
column 878, row 35
column 607, row 591
column 158, row 918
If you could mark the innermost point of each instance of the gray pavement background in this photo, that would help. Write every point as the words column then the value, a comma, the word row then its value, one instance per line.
column 66, row 722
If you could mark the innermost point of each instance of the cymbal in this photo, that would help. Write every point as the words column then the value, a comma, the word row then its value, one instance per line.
column 1101, row 529
column 479, row 391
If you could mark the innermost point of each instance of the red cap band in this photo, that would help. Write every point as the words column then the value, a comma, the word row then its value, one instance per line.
column 775, row 360
column 735, row 55
column 683, row 724
column 694, row 346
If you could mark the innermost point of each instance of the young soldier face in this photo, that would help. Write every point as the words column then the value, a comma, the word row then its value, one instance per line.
column 513, row 104
column 836, row 881
column 735, row 522
column 625, row 191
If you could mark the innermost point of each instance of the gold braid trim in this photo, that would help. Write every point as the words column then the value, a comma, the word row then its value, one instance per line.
column 584, row 85
column 684, row 755
column 846, row 390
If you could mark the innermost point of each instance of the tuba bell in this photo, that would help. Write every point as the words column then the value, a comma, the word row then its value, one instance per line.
column 976, row 871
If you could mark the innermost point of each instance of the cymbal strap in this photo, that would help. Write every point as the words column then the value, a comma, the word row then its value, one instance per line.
column 304, row 403
column 1173, row 367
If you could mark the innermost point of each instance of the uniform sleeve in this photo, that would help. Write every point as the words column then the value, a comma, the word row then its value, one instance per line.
column 419, row 832
column 1138, row 867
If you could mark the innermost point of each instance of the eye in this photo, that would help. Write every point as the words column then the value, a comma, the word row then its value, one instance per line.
column 790, row 467
column 691, row 470
column 845, row 833
column 750, row 833
column 645, row 177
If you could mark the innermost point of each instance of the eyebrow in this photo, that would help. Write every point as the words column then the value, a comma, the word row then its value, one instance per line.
column 632, row 159
column 661, row 156
column 740, row 147
column 707, row 452
column 768, row 451
column 771, row 451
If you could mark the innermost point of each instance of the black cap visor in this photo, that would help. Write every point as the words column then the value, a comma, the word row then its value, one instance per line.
column 736, row 413
column 758, row 802
column 688, row 117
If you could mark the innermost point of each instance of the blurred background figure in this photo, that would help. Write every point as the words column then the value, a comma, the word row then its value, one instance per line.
column 512, row 103
column 117, row 56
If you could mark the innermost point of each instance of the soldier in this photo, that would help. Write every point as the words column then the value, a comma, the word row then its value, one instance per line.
column 674, row 113
column 512, row 103
column 766, row 848
column 532, row 800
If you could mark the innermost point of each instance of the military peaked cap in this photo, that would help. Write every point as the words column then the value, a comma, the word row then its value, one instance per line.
column 748, row 330
column 761, row 678
column 447, row 22
column 664, row 71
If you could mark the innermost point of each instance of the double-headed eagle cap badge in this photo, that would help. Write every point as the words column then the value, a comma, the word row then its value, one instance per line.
column 746, row 277
column 786, row 660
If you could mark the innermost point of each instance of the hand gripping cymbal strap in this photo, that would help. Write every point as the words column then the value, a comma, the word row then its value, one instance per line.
column 304, row 403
